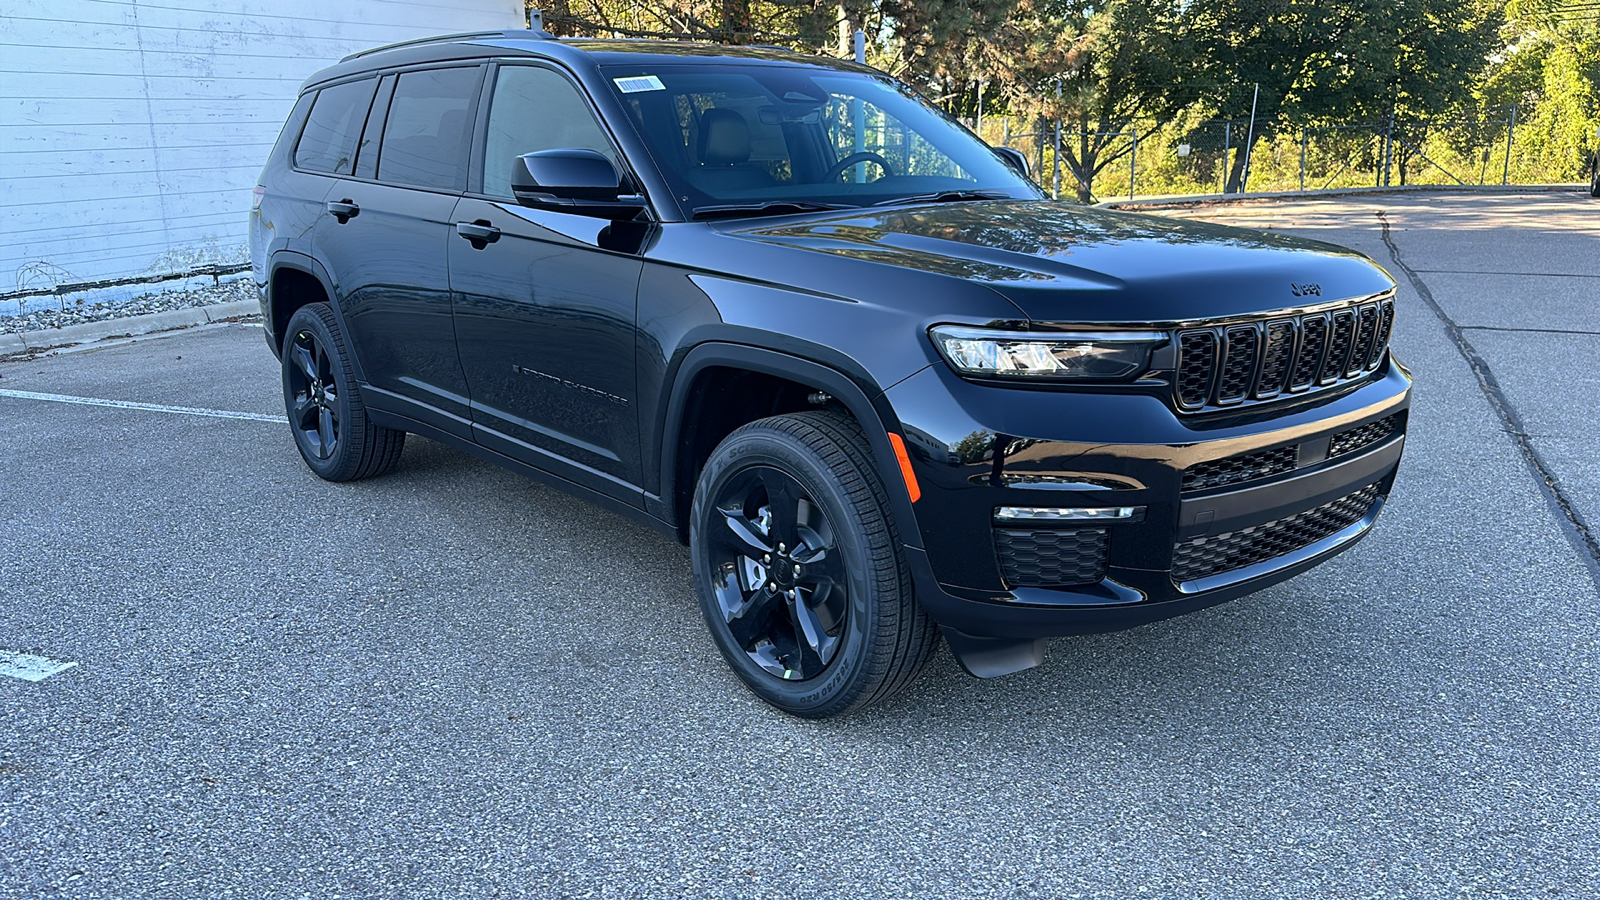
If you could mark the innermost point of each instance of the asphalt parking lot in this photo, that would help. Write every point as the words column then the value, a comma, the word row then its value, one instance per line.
column 453, row 682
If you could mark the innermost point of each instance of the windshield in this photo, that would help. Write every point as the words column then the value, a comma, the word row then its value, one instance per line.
column 782, row 139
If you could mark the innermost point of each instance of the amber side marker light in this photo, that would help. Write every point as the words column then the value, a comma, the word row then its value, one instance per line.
column 905, row 467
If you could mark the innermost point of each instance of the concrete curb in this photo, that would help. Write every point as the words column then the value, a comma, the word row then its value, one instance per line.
column 1211, row 199
column 130, row 326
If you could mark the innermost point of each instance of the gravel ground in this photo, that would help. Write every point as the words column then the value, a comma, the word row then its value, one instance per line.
column 227, row 292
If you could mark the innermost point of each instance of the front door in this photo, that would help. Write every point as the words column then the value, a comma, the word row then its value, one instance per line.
column 545, row 304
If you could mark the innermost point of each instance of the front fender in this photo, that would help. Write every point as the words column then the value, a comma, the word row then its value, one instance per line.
column 866, row 402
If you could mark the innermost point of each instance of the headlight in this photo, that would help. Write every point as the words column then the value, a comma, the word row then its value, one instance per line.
column 1044, row 356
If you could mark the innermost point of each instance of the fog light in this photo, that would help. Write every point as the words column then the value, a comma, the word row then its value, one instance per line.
column 1069, row 514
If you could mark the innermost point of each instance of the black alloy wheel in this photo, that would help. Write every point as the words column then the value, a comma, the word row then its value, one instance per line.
column 778, row 574
column 313, row 406
column 336, row 438
column 799, row 569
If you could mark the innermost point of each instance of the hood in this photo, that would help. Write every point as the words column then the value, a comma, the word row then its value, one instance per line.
column 1063, row 262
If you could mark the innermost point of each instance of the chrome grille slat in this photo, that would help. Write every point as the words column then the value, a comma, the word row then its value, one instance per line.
column 1229, row 364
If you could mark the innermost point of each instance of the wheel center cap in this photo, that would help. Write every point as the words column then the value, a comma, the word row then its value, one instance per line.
column 783, row 572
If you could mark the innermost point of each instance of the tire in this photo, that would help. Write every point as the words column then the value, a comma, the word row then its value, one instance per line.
column 326, row 414
column 799, row 568
column 1594, row 176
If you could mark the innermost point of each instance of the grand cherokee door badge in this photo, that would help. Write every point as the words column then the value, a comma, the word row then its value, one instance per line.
column 524, row 370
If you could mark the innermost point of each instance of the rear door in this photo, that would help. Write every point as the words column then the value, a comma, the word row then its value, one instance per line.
column 545, row 310
column 385, row 235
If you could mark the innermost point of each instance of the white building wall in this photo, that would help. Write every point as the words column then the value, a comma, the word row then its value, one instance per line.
column 132, row 131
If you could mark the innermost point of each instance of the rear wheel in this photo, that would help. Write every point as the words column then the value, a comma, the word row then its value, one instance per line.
column 1594, row 176
column 799, row 569
column 326, row 414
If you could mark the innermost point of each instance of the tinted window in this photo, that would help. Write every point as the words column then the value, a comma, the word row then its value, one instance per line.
column 328, row 143
column 367, row 156
column 428, row 131
column 885, row 135
column 535, row 109
column 739, row 134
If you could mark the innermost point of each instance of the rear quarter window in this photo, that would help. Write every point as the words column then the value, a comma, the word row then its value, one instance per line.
column 328, row 143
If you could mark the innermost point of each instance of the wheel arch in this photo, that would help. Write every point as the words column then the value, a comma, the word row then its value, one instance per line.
column 295, row 272
column 679, row 443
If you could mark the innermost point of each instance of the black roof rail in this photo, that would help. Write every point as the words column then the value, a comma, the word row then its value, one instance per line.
column 524, row 34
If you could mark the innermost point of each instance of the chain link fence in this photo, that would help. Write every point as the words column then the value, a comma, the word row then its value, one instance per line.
column 1198, row 156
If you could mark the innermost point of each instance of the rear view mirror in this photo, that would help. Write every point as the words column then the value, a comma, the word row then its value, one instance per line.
column 571, row 180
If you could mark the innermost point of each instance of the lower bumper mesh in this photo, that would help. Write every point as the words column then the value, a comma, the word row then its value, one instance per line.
column 1051, row 557
column 1212, row 555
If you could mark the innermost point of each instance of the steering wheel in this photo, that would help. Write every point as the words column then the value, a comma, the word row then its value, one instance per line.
column 837, row 169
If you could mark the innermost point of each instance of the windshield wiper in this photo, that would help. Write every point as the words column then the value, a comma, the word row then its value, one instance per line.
column 767, row 208
column 946, row 197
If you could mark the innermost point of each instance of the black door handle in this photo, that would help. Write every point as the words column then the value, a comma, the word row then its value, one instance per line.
column 343, row 210
column 480, row 233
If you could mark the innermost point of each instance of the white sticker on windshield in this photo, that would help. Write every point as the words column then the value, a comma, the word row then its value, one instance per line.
column 637, row 83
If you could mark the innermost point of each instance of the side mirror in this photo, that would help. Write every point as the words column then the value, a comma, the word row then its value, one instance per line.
column 574, row 181
column 1016, row 159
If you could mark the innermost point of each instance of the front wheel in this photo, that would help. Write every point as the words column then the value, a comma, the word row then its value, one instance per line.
column 799, row 568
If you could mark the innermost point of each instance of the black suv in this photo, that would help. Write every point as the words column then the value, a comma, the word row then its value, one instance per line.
column 784, row 310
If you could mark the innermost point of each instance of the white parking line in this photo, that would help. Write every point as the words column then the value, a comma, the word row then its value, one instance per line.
column 148, row 407
column 30, row 668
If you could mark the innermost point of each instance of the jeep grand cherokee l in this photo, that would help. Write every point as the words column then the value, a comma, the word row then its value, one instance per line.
column 787, row 312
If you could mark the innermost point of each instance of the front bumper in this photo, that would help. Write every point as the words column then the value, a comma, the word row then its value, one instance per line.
column 1228, row 503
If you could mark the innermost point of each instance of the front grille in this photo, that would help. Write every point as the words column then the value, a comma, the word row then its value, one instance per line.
column 1368, row 434
column 1051, row 557
column 1205, row 556
column 1245, row 467
column 1226, row 365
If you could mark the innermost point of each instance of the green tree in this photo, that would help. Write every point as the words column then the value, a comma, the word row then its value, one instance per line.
column 1550, row 71
column 805, row 24
column 1343, row 61
column 1122, row 67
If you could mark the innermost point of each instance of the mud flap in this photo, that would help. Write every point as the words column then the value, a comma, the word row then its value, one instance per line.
column 992, row 657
